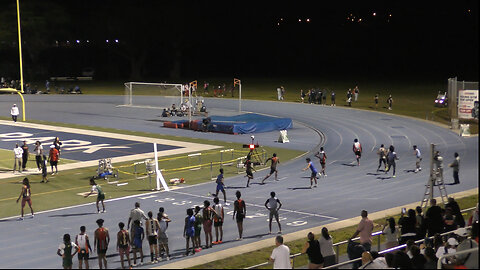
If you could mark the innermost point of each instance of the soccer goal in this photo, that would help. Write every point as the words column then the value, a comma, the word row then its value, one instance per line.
column 154, row 95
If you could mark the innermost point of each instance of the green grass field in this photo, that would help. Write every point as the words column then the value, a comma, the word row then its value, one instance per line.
column 62, row 189
column 259, row 256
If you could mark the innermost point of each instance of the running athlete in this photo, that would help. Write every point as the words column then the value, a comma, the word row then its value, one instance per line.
column 322, row 156
column 84, row 247
column 273, row 205
column 249, row 167
column 418, row 157
column 151, row 227
column 189, row 231
column 357, row 149
column 207, row 214
column 391, row 157
column 123, row 244
column 65, row 251
column 100, row 195
column 382, row 157
column 239, row 213
column 273, row 167
column 101, row 241
column 26, row 194
column 197, row 239
column 137, row 239
column 218, row 216
column 313, row 176
column 221, row 186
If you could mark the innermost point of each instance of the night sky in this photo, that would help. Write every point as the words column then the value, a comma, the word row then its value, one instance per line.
column 160, row 39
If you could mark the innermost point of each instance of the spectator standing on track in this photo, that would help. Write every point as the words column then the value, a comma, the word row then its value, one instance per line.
column 302, row 95
column 273, row 167
column 283, row 92
column 418, row 157
column 136, row 214
column 313, row 175
column 279, row 93
column 312, row 249
column 18, row 154
column 390, row 230
column 365, row 228
column 189, row 231
column 357, row 150
column 123, row 245
column 197, row 240
column 322, row 157
column 151, row 227
column 38, row 154
column 280, row 255
column 101, row 241
column 390, row 102
column 239, row 213
column 324, row 97
column 14, row 112
column 332, row 98
column 207, row 214
column 391, row 157
column 218, row 217
column 349, row 97
column 455, row 165
column 84, row 248
column 53, row 157
column 24, row 156
column 382, row 157
column 162, row 235
column 137, row 234
column 375, row 99
column 273, row 205
column 326, row 247
column 100, row 195
column 65, row 251
column 26, row 195
column 434, row 219
column 44, row 170
column 356, row 91
column 57, row 144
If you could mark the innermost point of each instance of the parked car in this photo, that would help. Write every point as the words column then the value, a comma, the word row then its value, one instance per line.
column 441, row 100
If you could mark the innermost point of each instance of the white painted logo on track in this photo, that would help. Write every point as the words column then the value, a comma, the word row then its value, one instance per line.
column 68, row 145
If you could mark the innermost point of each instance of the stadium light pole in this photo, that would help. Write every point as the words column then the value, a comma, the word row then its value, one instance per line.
column 20, row 54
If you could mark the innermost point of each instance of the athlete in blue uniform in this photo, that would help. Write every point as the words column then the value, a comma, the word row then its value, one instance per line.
column 221, row 186
column 313, row 176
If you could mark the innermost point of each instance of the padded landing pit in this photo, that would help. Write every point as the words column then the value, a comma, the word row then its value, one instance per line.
column 238, row 124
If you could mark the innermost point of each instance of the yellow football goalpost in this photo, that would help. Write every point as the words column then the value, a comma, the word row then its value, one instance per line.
column 13, row 90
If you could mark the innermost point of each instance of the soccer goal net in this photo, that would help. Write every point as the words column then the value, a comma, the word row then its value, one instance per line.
column 154, row 95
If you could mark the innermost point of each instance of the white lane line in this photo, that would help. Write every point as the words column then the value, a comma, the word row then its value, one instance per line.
column 261, row 206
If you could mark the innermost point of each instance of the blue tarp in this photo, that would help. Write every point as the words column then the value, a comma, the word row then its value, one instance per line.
column 248, row 123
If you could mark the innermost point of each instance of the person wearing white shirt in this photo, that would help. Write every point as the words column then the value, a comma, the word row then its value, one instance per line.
column 280, row 255
column 18, row 152
column 14, row 112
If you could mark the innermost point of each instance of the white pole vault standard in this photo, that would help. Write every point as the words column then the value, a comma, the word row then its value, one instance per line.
column 159, row 177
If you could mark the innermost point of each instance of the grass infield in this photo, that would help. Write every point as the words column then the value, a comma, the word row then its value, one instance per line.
column 62, row 189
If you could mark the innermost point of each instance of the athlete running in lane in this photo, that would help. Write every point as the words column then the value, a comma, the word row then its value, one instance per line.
column 382, row 157
column 84, row 247
column 313, row 176
column 100, row 195
column 391, row 157
column 25, row 195
column 357, row 149
column 248, row 168
column 221, row 186
column 273, row 167
column 322, row 156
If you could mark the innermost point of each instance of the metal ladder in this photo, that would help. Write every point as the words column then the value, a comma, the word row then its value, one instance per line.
column 435, row 179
